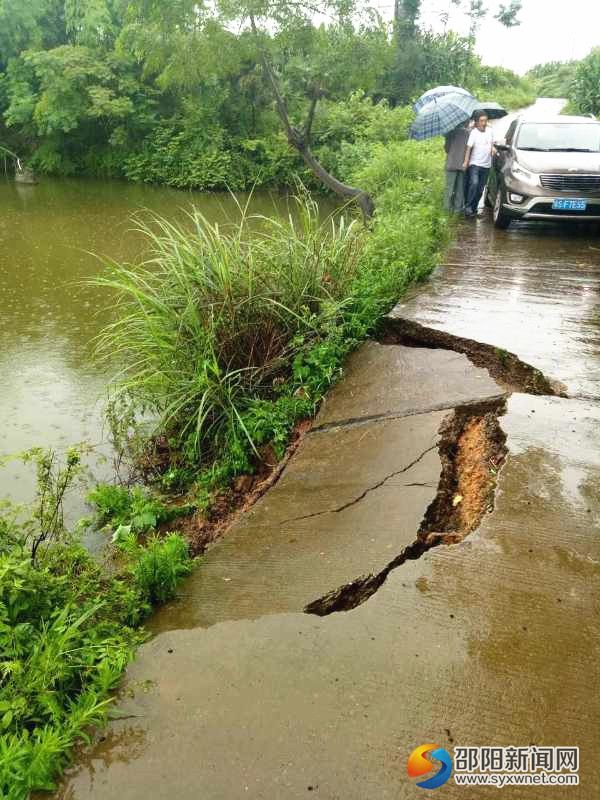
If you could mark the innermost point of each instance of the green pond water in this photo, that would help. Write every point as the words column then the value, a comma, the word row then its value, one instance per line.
column 52, row 394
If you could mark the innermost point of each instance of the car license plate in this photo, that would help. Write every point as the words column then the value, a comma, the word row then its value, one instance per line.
column 569, row 205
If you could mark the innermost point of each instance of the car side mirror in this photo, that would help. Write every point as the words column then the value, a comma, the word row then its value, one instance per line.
column 501, row 147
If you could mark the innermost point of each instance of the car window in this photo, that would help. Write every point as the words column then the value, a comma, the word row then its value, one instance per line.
column 511, row 132
column 557, row 136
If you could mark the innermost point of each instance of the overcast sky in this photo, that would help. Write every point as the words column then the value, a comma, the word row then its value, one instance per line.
column 550, row 30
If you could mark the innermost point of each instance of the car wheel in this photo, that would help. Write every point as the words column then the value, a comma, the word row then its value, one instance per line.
column 501, row 218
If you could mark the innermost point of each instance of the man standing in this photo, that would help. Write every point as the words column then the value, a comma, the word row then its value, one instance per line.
column 477, row 163
column 455, row 144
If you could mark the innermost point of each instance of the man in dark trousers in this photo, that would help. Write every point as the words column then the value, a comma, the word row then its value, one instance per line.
column 455, row 145
column 478, row 161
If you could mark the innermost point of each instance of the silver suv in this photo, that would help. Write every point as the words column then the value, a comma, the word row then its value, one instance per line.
column 547, row 168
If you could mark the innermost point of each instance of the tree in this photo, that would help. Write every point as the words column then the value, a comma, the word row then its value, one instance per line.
column 300, row 137
column 265, row 20
column 406, row 14
column 508, row 15
column 585, row 94
column 23, row 25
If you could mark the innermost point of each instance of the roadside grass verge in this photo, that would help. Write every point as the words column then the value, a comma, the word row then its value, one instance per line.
column 226, row 337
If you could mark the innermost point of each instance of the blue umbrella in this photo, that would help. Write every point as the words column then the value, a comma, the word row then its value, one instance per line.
column 493, row 110
column 443, row 115
column 433, row 94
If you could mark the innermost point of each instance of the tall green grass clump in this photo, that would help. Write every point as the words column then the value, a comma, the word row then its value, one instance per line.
column 410, row 225
column 210, row 325
column 225, row 337
column 158, row 565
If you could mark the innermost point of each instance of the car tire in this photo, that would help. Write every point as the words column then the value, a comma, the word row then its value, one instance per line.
column 501, row 218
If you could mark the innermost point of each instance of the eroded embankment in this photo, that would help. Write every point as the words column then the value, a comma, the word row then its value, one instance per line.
column 202, row 528
column 505, row 367
column 472, row 448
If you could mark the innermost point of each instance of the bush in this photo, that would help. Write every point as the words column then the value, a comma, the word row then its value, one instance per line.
column 63, row 650
column 119, row 505
column 554, row 79
column 209, row 321
column 156, row 567
column 68, row 629
column 585, row 93
column 227, row 337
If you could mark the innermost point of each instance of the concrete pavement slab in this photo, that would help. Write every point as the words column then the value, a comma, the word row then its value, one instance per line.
column 533, row 290
column 392, row 380
column 490, row 642
column 348, row 501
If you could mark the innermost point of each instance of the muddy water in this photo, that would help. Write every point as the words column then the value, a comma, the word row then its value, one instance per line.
column 52, row 394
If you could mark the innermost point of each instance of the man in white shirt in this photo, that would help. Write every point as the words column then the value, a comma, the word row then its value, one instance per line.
column 478, row 160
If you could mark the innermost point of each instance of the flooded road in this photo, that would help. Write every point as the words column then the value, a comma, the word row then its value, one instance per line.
column 489, row 639
column 51, row 236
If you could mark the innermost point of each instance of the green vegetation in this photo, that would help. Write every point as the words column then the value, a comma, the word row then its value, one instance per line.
column 554, row 79
column 166, row 93
column 506, row 88
column 132, row 506
column 585, row 92
column 68, row 626
column 211, row 321
column 225, row 338
column 578, row 81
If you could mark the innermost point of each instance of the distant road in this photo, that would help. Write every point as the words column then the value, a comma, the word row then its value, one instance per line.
column 543, row 106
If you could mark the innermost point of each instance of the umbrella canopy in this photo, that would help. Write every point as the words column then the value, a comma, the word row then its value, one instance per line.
column 442, row 115
column 493, row 110
column 439, row 91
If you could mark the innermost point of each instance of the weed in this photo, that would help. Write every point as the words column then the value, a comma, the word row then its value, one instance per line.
column 68, row 628
column 502, row 355
column 157, row 566
column 119, row 505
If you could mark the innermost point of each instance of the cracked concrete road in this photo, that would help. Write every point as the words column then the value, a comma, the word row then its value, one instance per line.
column 493, row 641
column 349, row 501
column 532, row 290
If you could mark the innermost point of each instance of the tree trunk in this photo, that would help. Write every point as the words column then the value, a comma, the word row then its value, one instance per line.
column 300, row 140
column 362, row 198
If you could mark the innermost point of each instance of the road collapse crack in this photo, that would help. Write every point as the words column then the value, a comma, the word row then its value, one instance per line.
column 505, row 367
column 472, row 449
column 366, row 492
